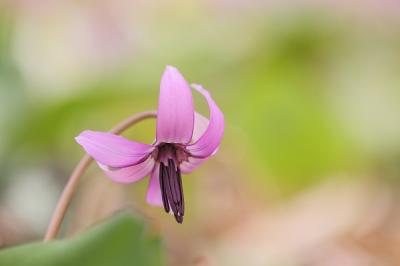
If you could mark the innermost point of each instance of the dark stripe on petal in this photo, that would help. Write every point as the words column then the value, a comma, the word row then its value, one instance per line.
column 172, row 183
column 168, row 189
column 179, row 218
column 162, row 186
column 182, row 200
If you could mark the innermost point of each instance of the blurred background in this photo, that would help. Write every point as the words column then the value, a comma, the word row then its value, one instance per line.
column 309, row 169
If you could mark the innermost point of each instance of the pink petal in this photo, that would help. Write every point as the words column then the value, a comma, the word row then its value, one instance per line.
column 200, row 126
column 175, row 116
column 112, row 150
column 209, row 142
column 188, row 166
column 154, row 192
column 129, row 174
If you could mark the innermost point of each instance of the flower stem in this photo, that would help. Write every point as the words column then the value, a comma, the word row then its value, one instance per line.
column 80, row 169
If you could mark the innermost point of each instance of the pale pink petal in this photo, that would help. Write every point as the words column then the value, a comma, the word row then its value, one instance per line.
column 154, row 192
column 175, row 115
column 112, row 150
column 209, row 142
column 200, row 126
column 129, row 174
column 188, row 166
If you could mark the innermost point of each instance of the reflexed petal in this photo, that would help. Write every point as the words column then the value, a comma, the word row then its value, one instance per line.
column 154, row 192
column 175, row 115
column 188, row 166
column 129, row 174
column 112, row 150
column 209, row 142
column 200, row 126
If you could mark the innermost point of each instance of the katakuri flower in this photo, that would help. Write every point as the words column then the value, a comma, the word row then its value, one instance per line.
column 184, row 139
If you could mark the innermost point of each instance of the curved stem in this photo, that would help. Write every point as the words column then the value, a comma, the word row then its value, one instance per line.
column 80, row 169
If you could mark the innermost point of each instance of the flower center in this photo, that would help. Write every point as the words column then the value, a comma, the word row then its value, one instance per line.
column 169, row 157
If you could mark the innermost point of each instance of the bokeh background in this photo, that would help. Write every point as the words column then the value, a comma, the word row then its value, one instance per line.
column 308, row 172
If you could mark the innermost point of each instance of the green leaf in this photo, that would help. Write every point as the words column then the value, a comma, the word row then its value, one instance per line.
column 120, row 241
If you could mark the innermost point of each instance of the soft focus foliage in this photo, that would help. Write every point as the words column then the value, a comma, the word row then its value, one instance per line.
column 308, row 170
column 121, row 241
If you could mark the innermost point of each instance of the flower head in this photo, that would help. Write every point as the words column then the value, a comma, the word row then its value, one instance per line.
column 184, row 139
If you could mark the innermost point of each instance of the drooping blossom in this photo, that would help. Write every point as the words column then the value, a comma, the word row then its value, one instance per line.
column 184, row 139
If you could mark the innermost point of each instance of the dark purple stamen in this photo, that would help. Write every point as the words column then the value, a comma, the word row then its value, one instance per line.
column 171, row 189
column 162, row 185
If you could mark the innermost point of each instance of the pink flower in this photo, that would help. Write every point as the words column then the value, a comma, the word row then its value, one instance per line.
column 184, row 139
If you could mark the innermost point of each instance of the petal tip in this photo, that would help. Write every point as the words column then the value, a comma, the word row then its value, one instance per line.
column 200, row 89
column 85, row 133
column 169, row 67
column 82, row 136
column 153, row 201
column 78, row 139
column 173, row 73
column 171, row 70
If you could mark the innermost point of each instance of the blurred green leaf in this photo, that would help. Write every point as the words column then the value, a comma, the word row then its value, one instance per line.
column 120, row 241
